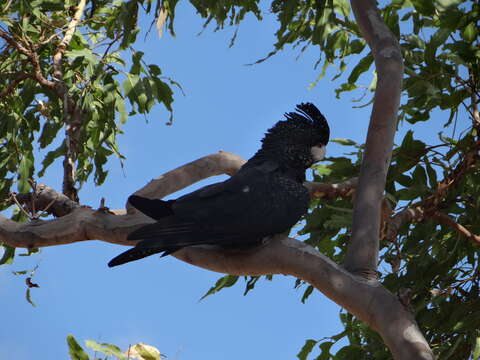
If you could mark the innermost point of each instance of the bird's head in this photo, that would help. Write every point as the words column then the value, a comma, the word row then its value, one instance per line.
column 300, row 140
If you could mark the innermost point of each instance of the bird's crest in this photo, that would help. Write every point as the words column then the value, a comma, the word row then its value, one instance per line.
column 306, row 125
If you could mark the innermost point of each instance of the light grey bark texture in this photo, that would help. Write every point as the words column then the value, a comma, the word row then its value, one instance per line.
column 362, row 254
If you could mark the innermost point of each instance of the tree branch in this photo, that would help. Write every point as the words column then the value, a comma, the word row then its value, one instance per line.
column 211, row 165
column 331, row 191
column 20, row 76
column 62, row 46
column 367, row 300
column 73, row 115
column 32, row 57
column 447, row 220
column 418, row 214
column 47, row 199
column 362, row 252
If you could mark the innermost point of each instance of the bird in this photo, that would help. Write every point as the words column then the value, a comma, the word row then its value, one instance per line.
column 264, row 198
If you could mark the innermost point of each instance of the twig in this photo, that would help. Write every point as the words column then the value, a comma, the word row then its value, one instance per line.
column 13, row 196
column 11, row 88
column 447, row 220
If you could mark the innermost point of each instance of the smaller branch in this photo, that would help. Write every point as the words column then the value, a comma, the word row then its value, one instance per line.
column 49, row 200
column 72, row 114
column 331, row 191
column 32, row 56
column 447, row 220
column 62, row 46
column 418, row 214
column 13, row 196
column 15, row 82
column 13, row 43
column 412, row 214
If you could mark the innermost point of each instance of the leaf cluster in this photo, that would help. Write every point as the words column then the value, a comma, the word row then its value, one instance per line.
column 432, row 262
column 105, row 351
column 100, row 72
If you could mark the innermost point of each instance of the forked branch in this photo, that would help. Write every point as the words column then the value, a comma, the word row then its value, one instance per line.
column 367, row 300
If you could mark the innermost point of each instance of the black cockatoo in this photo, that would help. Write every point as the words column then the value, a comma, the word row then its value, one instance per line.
column 265, row 197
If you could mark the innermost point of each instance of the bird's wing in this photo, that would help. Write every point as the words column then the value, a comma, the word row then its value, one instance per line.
column 154, row 208
column 231, row 214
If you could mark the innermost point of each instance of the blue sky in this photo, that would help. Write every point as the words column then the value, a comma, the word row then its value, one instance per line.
column 227, row 106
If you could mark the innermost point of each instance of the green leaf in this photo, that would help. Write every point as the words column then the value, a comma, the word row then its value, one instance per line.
column 223, row 282
column 50, row 158
column 250, row 284
column 83, row 53
column 105, row 348
column 350, row 352
column 146, row 353
column 470, row 32
column 438, row 38
column 306, row 349
column 325, row 348
column 136, row 65
column 419, row 176
column 476, row 351
column 307, row 293
column 8, row 254
column 345, row 142
column 362, row 66
column 75, row 350
column 432, row 174
column 29, row 298
column 25, row 170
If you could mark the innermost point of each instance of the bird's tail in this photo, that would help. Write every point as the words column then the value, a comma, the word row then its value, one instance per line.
column 139, row 252
column 169, row 235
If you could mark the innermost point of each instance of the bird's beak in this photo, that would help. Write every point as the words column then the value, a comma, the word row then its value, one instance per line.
column 318, row 152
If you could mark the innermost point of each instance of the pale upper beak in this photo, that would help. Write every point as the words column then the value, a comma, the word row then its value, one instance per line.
column 318, row 152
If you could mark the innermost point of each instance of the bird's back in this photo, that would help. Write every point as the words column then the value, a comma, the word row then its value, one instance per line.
column 253, row 202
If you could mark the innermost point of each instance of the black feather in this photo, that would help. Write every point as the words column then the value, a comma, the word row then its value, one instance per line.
column 265, row 197
column 156, row 209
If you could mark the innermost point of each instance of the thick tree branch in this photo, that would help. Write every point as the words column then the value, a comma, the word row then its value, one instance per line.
column 362, row 253
column 367, row 300
column 211, row 165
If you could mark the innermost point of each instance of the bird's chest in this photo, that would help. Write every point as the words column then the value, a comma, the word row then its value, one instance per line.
column 279, row 202
column 287, row 194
